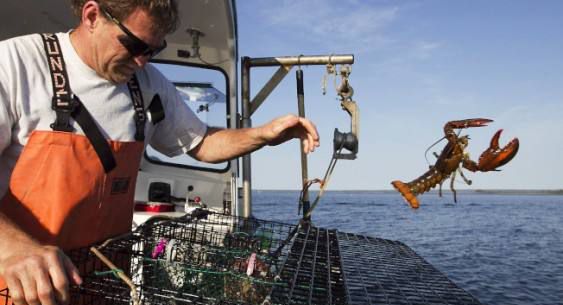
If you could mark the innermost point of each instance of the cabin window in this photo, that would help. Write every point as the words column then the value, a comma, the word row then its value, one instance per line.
column 205, row 92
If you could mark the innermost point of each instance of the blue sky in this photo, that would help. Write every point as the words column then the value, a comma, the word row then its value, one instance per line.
column 418, row 64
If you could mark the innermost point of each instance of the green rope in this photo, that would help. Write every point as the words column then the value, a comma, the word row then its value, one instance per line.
column 235, row 275
column 239, row 253
column 253, row 280
column 216, row 250
column 115, row 272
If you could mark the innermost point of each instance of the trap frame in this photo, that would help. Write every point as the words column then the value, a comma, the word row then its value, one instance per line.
column 207, row 258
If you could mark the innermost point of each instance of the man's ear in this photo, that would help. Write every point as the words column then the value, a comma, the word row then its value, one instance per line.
column 91, row 15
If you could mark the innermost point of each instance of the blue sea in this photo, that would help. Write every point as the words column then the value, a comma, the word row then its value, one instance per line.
column 502, row 248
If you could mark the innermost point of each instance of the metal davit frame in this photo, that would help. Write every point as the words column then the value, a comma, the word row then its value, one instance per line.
column 250, row 106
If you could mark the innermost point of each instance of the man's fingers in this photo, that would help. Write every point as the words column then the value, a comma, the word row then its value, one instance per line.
column 72, row 271
column 29, row 288
column 58, row 273
column 38, row 275
column 61, row 274
column 45, row 292
column 291, row 126
column 16, row 290
column 310, row 146
column 311, row 137
column 310, row 128
column 314, row 143
column 304, row 145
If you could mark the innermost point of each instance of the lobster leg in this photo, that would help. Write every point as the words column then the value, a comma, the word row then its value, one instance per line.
column 452, row 180
column 469, row 182
column 440, row 189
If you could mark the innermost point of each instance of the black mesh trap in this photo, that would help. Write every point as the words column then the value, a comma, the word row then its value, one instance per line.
column 218, row 259
column 381, row 271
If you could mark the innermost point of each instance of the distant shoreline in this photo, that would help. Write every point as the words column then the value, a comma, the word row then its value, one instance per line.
column 478, row 191
column 521, row 192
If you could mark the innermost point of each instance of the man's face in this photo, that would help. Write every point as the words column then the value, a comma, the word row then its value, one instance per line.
column 120, row 50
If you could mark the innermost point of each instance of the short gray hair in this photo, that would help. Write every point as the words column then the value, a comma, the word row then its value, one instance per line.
column 164, row 12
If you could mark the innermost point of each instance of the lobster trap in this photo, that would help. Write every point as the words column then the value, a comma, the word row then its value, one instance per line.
column 207, row 258
column 211, row 259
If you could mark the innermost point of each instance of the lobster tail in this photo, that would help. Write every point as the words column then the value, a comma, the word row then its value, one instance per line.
column 405, row 190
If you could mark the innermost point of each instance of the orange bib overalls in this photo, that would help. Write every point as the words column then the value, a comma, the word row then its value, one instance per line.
column 71, row 190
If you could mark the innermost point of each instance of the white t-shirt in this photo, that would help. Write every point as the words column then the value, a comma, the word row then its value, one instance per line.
column 26, row 93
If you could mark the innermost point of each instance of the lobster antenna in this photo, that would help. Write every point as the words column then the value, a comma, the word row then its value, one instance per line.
column 434, row 144
column 429, row 147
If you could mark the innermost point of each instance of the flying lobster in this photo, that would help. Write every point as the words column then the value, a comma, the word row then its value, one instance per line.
column 453, row 157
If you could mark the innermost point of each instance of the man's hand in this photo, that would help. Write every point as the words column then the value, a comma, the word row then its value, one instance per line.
column 220, row 145
column 290, row 127
column 37, row 274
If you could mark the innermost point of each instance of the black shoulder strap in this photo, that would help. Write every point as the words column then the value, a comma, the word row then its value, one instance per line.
column 93, row 133
column 66, row 105
column 62, row 101
column 139, row 106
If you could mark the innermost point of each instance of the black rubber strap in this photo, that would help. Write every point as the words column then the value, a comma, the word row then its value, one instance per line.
column 92, row 132
column 67, row 105
column 62, row 101
column 138, row 106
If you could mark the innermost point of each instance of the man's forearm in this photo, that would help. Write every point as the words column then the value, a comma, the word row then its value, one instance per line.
column 12, row 237
column 224, row 144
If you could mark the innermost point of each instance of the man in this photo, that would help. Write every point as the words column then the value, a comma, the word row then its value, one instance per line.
column 71, row 128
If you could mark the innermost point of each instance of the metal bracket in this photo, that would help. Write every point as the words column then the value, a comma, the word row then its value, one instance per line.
column 347, row 140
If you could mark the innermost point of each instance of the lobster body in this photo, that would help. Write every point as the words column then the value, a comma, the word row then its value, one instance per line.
column 453, row 157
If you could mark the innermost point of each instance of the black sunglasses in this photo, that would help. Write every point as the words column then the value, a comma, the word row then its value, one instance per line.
column 134, row 45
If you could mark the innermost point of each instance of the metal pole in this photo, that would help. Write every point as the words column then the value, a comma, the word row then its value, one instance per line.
column 304, row 164
column 246, row 123
column 301, row 60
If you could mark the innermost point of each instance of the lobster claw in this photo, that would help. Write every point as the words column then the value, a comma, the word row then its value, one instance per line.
column 494, row 156
column 469, row 123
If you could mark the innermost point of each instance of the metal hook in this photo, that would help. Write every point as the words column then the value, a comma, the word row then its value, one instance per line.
column 330, row 69
column 299, row 61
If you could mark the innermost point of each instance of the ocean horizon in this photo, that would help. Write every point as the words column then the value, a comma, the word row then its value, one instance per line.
column 444, row 191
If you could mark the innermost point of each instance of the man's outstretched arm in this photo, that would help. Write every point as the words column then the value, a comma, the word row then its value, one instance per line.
column 220, row 145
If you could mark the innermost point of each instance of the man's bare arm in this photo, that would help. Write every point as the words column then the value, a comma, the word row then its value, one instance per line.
column 224, row 144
